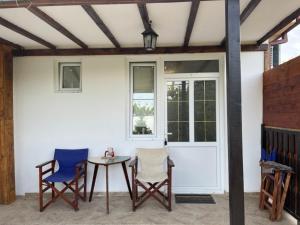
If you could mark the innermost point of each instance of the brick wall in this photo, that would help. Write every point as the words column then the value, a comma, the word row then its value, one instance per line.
column 281, row 95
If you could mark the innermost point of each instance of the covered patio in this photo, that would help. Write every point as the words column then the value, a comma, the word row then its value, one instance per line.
column 190, row 76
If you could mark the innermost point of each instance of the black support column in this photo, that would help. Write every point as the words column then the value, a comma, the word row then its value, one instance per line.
column 234, row 113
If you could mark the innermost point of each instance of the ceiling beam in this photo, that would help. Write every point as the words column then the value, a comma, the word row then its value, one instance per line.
column 135, row 51
column 37, row 3
column 280, row 26
column 99, row 22
column 193, row 13
column 10, row 44
column 43, row 16
column 144, row 14
column 25, row 33
column 246, row 13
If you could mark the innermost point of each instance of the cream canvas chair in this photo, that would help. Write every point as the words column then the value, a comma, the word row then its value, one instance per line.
column 151, row 176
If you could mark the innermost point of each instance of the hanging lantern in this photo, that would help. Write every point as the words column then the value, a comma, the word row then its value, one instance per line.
column 150, row 38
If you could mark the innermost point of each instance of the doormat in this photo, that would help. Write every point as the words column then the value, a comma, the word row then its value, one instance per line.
column 194, row 199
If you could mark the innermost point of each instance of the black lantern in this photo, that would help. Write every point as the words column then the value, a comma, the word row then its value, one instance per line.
column 150, row 38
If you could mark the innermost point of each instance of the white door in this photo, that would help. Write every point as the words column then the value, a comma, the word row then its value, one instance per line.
column 192, row 132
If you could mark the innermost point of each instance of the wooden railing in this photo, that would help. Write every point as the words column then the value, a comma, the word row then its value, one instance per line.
column 286, row 142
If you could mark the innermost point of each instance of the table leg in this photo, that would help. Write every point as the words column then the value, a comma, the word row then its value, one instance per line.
column 93, row 181
column 127, row 179
column 107, row 192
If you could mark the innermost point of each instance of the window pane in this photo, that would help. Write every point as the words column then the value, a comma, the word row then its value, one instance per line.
column 70, row 76
column 143, row 79
column 210, row 90
column 173, row 131
column 143, row 116
column 178, row 111
column 183, row 135
column 199, row 90
column 205, row 111
column 173, row 110
column 143, row 99
column 199, row 111
column 191, row 66
column 210, row 110
column 210, row 131
column 199, row 132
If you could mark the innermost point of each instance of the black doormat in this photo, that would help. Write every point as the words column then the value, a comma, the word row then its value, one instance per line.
column 194, row 199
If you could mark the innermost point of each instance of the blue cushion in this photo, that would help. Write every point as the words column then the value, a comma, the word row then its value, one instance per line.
column 67, row 160
column 268, row 157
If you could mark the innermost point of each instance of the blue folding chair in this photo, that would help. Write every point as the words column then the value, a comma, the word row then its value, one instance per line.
column 72, row 167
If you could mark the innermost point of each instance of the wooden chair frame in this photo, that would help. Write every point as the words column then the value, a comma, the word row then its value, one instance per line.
column 81, row 172
column 152, row 189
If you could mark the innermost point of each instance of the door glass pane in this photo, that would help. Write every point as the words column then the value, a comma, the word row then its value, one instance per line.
column 143, row 100
column 205, row 111
column 178, row 111
column 191, row 66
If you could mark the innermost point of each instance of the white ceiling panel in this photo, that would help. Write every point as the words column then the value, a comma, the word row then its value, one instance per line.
column 124, row 22
column 19, row 39
column 209, row 27
column 169, row 21
column 266, row 16
column 78, row 22
column 25, row 19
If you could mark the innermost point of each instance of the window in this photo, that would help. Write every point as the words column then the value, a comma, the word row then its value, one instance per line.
column 205, row 111
column 142, row 76
column 178, row 111
column 191, row 110
column 69, row 77
column 191, row 66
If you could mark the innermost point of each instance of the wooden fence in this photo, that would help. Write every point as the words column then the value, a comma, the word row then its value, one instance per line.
column 286, row 142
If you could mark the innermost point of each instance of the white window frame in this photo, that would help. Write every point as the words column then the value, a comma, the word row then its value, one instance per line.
column 59, row 77
column 154, row 133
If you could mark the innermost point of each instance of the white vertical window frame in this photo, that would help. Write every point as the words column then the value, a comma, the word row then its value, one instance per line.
column 154, row 133
column 60, row 75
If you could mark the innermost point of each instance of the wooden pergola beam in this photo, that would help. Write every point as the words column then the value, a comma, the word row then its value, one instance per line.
column 234, row 113
column 131, row 51
column 10, row 44
column 246, row 13
column 285, row 22
column 99, row 22
column 144, row 14
column 190, row 25
column 49, row 20
column 37, row 3
column 25, row 33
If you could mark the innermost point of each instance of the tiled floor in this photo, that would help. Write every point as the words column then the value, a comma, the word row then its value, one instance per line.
column 25, row 211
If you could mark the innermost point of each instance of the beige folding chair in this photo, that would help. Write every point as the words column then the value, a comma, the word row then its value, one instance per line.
column 152, row 176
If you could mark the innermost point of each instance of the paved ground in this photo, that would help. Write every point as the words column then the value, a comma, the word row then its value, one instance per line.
column 25, row 211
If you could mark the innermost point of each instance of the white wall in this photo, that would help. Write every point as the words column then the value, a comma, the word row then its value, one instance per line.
column 96, row 118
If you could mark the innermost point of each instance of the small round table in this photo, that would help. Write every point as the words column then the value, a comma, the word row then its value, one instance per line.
column 100, row 161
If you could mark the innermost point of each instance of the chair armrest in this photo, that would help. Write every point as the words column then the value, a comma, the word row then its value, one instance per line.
column 133, row 162
column 45, row 163
column 170, row 163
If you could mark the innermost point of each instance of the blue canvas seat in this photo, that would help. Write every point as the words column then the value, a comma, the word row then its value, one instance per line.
column 72, row 167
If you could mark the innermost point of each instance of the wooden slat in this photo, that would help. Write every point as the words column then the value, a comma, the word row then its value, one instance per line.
column 99, row 22
column 144, row 14
column 234, row 113
column 25, row 33
column 43, row 16
column 280, row 26
column 246, row 13
column 193, row 13
column 14, row 4
column 128, row 51
column 10, row 44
